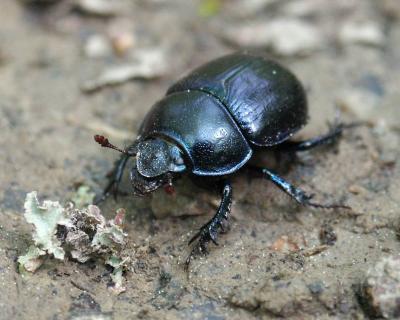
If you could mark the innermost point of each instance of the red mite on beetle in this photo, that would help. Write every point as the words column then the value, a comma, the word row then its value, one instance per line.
column 209, row 125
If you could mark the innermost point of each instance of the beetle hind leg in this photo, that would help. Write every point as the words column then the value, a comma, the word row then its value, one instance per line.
column 295, row 193
column 332, row 136
column 209, row 231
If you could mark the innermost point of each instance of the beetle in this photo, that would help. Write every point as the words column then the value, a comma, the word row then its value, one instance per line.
column 210, row 123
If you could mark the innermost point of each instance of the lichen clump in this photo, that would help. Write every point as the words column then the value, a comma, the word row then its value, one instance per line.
column 81, row 234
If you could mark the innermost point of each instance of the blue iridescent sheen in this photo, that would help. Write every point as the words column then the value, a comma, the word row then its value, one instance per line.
column 222, row 110
column 265, row 99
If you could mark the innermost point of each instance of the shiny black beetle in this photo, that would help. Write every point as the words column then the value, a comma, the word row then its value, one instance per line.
column 211, row 122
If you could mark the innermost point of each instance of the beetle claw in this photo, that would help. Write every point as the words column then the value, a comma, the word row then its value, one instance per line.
column 194, row 238
column 200, row 248
column 207, row 233
column 115, row 191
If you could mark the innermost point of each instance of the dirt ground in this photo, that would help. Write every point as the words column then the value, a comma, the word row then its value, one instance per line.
column 277, row 259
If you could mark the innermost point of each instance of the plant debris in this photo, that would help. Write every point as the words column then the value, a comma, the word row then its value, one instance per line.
column 148, row 64
column 364, row 33
column 83, row 234
column 46, row 218
column 247, row 8
column 97, row 125
column 31, row 261
column 102, row 8
column 83, row 197
column 315, row 250
column 286, row 37
column 209, row 8
column 117, row 276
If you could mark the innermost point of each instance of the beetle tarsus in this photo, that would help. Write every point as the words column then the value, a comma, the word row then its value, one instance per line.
column 297, row 194
column 209, row 231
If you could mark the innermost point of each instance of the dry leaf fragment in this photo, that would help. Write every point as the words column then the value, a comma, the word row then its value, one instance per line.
column 314, row 251
column 286, row 37
column 367, row 33
column 104, row 8
column 149, row 64
column 32, row 260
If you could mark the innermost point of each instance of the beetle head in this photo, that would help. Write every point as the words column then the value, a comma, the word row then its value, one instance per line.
column 157, row 161
column 143, row 185
column 156, row 157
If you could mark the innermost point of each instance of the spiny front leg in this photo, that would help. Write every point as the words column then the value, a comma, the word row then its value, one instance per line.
column 209, row 231
column 119, row 167
column 115, row 179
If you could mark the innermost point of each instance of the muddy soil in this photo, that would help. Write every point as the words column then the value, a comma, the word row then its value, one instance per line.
column 277, row 259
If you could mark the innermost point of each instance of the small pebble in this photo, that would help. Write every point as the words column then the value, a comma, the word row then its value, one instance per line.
column 122, row 42
column 327, row 235
column 381, row 289
column 285, row 244
column 97, row 46
column 356, row 189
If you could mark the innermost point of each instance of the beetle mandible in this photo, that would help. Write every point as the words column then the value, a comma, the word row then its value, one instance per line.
column 211, row 122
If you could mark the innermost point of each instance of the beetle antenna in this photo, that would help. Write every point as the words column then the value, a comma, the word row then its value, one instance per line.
column 103, row 141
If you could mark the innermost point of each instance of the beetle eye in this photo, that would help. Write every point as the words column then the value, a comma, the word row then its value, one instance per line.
column 177, row 163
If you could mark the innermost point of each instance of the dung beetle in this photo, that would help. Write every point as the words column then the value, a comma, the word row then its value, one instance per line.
column 211, row 122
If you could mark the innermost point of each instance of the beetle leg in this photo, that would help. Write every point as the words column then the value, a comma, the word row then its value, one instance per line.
column 330, row 137
column 209, row 231
column 112, row 186
column 297, row 194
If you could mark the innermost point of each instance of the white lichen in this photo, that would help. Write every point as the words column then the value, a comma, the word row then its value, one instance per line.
column 83, row 197
column 46, row 218
column 82, row 234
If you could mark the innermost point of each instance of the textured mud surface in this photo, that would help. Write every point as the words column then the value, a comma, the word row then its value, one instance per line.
column 277, row 259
